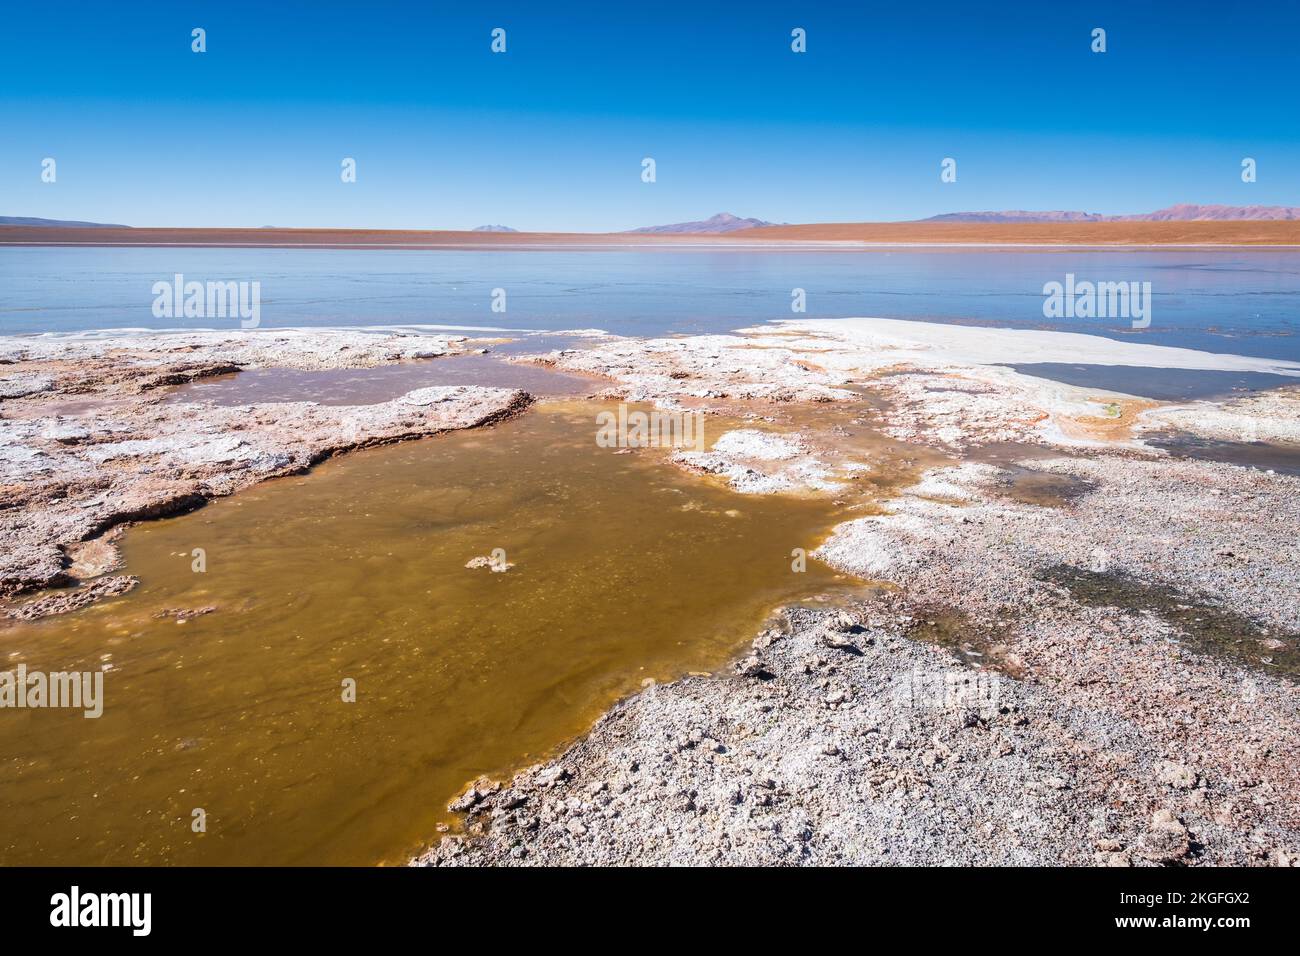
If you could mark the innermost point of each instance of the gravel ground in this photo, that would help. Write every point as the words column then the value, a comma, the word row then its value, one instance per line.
column 837, row 744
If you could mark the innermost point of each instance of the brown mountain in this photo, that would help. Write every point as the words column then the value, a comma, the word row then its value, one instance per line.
column 722, row 222
column 1182, row 212
column 1017, row 215
column 1189, row 212
column 57, row 223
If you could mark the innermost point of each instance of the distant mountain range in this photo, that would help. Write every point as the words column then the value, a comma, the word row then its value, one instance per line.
column 722, row 222
column 725, row 222
column 1183, row 212
column 1186, row 212
column 1017, row 215
column 29, row 221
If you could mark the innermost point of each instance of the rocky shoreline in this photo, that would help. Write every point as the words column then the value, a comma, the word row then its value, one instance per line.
column 841, row 740
column 88, row 445
column 1103, row 677
column 1085, row 650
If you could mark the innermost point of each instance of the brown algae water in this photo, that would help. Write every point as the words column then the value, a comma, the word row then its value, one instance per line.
column 624, row 568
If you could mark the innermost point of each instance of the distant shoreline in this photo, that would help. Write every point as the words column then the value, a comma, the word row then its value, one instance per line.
column 1264, row 234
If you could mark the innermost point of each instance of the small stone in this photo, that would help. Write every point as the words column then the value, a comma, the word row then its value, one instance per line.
column 1117, row 858
column 836, row 639
column 1175, row 775
column 843, row 621
column 550, row 776
column 1165, row 841
column 183, row 614
column 512, row 800
column 474, row 794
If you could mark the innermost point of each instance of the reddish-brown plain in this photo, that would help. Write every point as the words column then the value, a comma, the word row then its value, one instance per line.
column 1250, row 233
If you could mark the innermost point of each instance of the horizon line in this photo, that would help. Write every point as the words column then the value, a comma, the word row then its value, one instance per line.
column 1016, row 216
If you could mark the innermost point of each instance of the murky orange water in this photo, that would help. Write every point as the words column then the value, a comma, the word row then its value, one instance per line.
column 625, row 568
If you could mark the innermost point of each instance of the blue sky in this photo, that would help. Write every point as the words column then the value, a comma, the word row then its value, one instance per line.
column 551, row 134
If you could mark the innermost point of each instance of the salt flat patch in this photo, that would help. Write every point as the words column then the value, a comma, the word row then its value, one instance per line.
column 868, row 547
column 759, row 463
column 764, row 446
column 668, row 370
column 436, row 394
column 279, row 348
column 933, row 342
column 1266, row 417
column 953, row 483
column 943, row 385
column 21, row 384
column 809, row 474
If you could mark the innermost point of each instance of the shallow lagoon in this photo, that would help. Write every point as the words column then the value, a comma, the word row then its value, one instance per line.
column 625, row 569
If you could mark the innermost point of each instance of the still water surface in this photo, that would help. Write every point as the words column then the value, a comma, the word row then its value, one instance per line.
column 1241, row 301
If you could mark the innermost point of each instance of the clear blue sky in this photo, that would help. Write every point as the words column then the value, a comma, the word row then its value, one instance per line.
column 550, row 135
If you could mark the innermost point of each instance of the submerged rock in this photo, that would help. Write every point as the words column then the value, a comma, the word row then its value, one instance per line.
column 495, row 565
column 474, row 794
column 74, row 600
